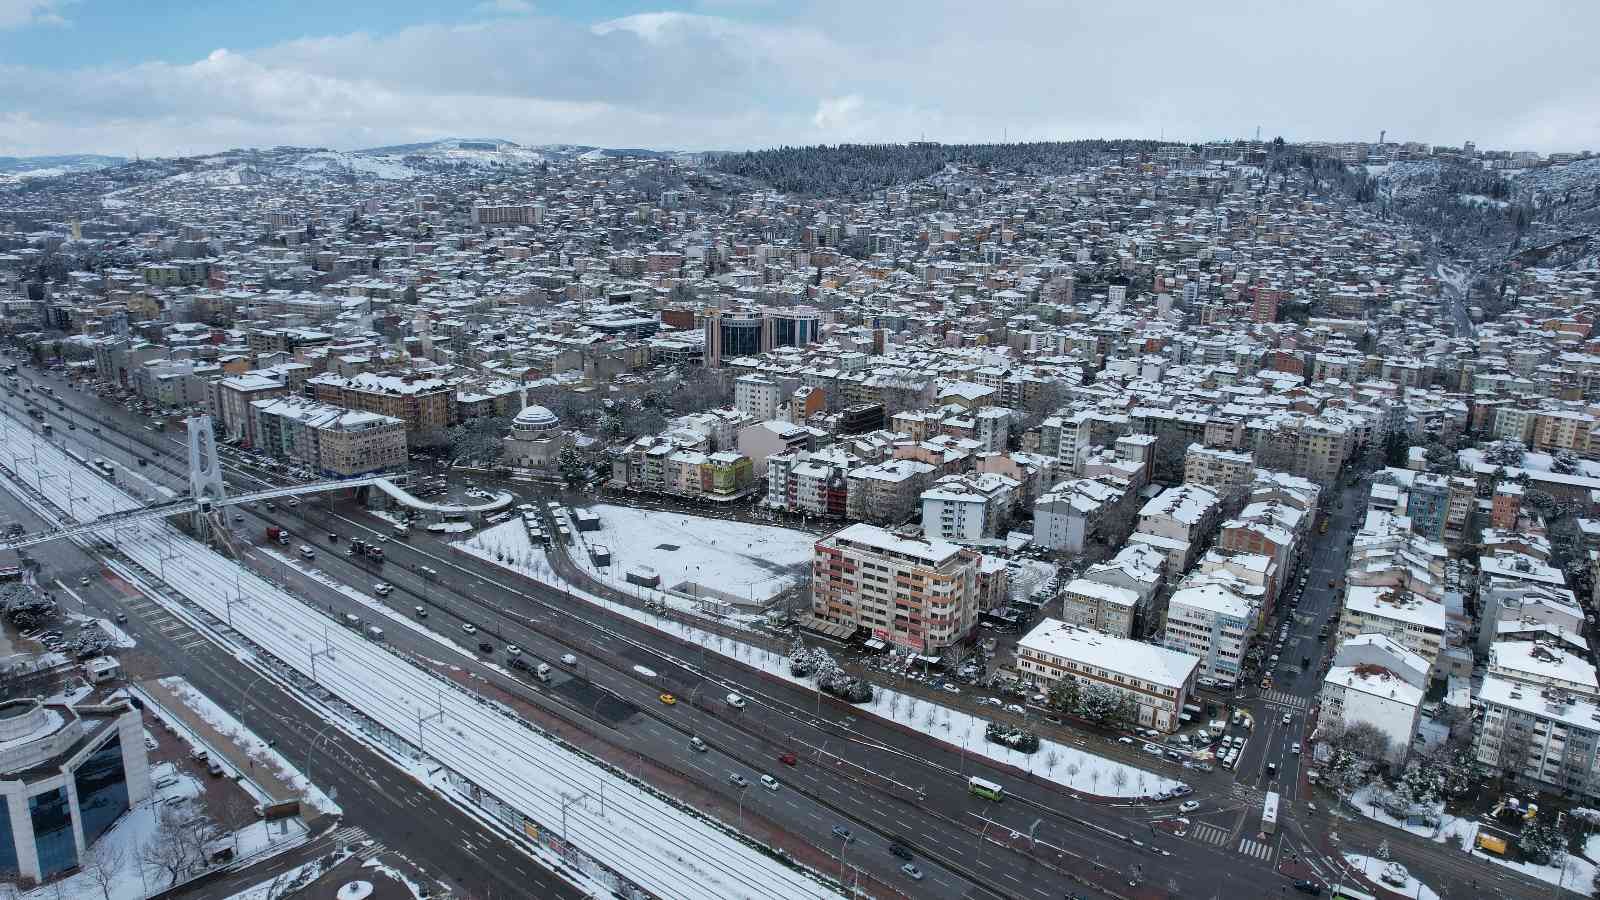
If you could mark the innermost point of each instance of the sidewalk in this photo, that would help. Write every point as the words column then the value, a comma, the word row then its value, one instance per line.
column 268, row 779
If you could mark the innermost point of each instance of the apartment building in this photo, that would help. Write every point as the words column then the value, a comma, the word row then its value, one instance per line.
column 1078, row 511
column 1440, row 507
column 757, row 397
column 423, row 404
column 233, row 399
column 1156, row 681
column 1544, row 664
column 1413, row 621
column 1545, row 738
column 1178, row 522
column 1214, row 624
column 1104, row 607
column 888, row 492
column 1374, row 694
column 968, row 509
column 507, row 214
column 328, row 439
column 1221, row 470
column 917, row 595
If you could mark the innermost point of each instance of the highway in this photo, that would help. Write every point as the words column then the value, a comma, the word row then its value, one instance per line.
column 942, row 825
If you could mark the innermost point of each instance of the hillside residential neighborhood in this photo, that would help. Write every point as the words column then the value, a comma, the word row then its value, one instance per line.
column 1127, row 518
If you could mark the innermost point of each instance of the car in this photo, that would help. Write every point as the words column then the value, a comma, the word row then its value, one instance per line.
column 843, row 833
column 469, row 628
column 1295, row 749
column 1015, row 709
column 1272, row 770
column 122, row 617
column 382, row 589
column 951, row 689
column 901, row 850
column 788, row 759
column 1152, row 749
column 736, row 701
column 1306, row 886
column 1125, row 740
column 737, row 780
column 770, row 783
column 83, row 582
column 668, row 700
column 567, row 659
column 912, row 872
column 697, row 745
column 1287, row 718
column 1188, row 806
column 485, row 646
column 513, row 650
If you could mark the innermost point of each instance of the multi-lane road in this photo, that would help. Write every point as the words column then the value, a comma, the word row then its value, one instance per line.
column 890, row 787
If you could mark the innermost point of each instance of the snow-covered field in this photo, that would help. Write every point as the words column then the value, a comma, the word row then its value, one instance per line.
column 1063, row 764
column 757, row 561
column 666, row 851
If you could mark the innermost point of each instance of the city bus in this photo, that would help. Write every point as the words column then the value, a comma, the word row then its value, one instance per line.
column 988, row 790
column 1269, row 814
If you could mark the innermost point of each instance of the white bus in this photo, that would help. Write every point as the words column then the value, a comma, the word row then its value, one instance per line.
column 1269, row 814
column 985, row 789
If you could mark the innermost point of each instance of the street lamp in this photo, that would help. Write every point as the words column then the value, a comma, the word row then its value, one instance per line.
column 741, row 805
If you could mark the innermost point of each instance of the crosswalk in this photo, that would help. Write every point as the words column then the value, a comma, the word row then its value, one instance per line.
column 356, row 837
column 1207, row 833
column 1284, row 699
column 1256, row 849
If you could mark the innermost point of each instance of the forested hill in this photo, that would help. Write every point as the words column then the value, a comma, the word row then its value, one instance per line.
column 860, row 169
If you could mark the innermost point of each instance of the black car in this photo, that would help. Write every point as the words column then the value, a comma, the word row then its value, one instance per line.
column 1308, row 887
column 901, row 850
column 485, row 646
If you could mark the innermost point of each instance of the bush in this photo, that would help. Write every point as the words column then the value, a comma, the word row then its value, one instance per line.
column 1019, row 739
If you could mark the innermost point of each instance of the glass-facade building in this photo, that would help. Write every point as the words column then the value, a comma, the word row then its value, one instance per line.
column 67, row 775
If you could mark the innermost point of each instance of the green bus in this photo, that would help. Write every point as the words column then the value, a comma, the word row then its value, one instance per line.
column 988, row 790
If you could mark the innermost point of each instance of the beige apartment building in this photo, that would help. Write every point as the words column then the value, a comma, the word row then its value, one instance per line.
column 424, row 404
column 918, row 595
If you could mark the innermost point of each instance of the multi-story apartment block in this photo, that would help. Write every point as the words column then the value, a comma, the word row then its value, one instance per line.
column 1224, row 471
column 507, row 214
column 1544, row 664
column 1103, row 607
column 234, row 398
column 1413, row 621
column 328, row 439
column 1546, row 738
column 917, row 595
column 1178, row 522
column 424, row 404
column 1078, row 511
column 888, row 492
column 1155, row 680
column 757, row 397
column 968, row 509
column 1208, row 621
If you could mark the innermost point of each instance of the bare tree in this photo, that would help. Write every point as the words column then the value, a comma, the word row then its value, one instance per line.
column 104, row 862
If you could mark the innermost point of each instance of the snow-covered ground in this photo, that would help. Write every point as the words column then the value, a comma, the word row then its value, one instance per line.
column 1576, row 875
column 1372, row 868
column 1066, row 765
column 756, row 561
column 283, row 883
column 665, row 850
column 254, row 747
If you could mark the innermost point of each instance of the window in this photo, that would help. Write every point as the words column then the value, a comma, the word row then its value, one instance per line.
column 52, row 832
column 102, row 790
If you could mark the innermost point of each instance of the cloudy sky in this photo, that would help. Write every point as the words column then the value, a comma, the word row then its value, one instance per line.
column 162, row 77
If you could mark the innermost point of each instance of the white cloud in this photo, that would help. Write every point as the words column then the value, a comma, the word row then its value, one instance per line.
column 837, row 113
column 21, row 13
column 835, row 70
column 505, row 7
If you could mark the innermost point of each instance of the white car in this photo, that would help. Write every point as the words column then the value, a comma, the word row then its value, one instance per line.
column 770, row 783
column 469, row 628
column 1152, row 749
column 382, row 588
column 1188, row 806
column 1295, row 749
column 513, row 650
column 567, row 659
column 1287, row 718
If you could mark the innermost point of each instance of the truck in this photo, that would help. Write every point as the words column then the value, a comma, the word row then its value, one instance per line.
column 374, row 633
column 1269, row 814
column 274, row 533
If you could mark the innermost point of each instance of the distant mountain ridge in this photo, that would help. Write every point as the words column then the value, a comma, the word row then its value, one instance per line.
column 50, row 165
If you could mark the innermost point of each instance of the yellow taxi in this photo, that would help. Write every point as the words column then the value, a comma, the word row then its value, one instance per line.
column 668, row 699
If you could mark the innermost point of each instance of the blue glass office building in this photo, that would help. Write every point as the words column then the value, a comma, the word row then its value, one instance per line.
column 67, row 774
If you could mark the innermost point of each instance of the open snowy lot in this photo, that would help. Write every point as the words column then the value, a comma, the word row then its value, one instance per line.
column 755, row 561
